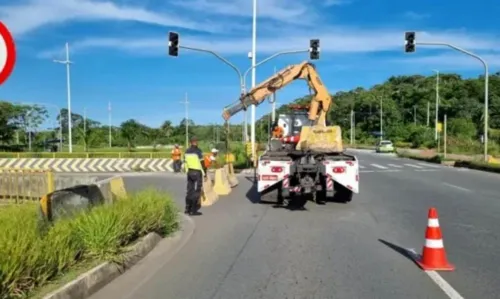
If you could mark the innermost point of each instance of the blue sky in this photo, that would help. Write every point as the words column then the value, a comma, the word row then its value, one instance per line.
column 119, row 49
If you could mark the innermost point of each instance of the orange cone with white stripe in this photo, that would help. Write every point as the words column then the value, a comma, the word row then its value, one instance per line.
column 433, row 255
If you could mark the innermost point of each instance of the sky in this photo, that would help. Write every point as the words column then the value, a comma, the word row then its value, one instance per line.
column 119, row 50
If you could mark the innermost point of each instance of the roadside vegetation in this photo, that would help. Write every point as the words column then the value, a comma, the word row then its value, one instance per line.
column 408, row 120
column 34, row 253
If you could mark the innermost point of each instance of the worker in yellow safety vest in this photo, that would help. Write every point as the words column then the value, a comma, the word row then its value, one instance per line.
column 176, row 157
column 193, row 163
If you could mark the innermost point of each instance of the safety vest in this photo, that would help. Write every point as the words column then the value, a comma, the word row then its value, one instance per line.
column 207, row 160
column 192, row 161
column 176, row 154
column 278, row 132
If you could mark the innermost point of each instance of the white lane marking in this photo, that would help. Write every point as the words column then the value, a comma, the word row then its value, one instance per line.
column 444, row 285
column 361, row 166
column 438, row 280
column 396, row 166
column 365, row 171
column 457, row 187
column 429, row 165
column 414, row 166
column 378, row 166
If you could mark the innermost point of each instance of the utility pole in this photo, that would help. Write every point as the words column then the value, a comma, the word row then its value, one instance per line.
column 186, row 118
column 437, row 106
column 109, row 125
column 381, row 120
column 29, row 129
column 67, row 62
column 415, row 115
column 254, row 54
column 84, row 121
column 428, row 112
column 444, row 136
column 352, row 126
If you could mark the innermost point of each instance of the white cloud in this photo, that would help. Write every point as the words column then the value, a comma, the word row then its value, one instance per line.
column 416, row 16
column 343, row 40
column 335, row 2
column 29, row 16
column 451, row 61
column 290, row 11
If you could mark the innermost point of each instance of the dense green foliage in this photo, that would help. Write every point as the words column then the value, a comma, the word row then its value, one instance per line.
column 405, row 101
column 33, row 253
column 408, row 103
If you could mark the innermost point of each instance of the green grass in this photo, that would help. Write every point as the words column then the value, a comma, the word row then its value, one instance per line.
column 34, row 254
column 439, row 159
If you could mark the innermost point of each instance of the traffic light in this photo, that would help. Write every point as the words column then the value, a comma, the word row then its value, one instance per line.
column 314, row 49
column 173, row 44
column 410, row 42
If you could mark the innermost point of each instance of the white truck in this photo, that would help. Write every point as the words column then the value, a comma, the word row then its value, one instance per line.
column 308, row 162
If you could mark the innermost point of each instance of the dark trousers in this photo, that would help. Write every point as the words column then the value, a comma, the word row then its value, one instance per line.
column 194, row 187
column 177, row 165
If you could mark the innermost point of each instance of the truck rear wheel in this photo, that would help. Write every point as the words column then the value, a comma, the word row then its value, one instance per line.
column 272, row 195
column 342, row 194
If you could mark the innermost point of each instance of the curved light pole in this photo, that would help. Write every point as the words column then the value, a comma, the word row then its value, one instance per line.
column 486, row 83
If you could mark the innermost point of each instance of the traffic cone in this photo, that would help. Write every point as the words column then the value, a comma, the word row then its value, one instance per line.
column 433, row 255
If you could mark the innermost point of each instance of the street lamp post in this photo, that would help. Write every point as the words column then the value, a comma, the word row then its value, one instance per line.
column 186, row 102
column 67, row 62
column 381, row 120
column 437, row 106
column 109, row 125
column 254, row 49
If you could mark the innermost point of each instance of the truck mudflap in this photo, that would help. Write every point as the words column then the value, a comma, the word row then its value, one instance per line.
column 346, row 173
column 269, row 173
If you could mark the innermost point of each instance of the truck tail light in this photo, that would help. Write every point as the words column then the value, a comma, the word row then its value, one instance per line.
column 277, row 169
column 339, row 169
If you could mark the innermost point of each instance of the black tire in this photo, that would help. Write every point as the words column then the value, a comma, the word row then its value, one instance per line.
column 272, row 195
column 342, row 194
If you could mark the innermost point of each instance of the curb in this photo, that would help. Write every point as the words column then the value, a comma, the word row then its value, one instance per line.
column 93, row 280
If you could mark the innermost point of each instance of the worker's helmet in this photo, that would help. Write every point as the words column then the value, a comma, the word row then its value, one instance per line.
column 215, row 151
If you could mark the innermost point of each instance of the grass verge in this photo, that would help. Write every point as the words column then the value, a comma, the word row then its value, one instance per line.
column 35, row 255
column 439, row 159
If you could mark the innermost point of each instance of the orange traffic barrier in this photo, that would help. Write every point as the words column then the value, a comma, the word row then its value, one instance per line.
column 433, row 254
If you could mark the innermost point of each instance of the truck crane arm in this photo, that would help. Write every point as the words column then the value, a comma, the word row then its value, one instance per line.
column 320, row 103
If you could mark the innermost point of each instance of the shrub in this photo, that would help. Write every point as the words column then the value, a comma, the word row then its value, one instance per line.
column 32, row 252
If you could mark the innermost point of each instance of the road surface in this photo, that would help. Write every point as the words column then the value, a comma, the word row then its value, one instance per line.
column 245, row 250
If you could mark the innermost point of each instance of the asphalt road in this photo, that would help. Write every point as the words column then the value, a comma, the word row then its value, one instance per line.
column 245, row 250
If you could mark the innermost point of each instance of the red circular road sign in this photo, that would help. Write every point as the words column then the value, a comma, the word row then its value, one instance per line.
column 7, row 53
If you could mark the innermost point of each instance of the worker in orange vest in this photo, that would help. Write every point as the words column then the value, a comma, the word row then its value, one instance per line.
column 176, row 156
column 277, row 131
column 210, row 159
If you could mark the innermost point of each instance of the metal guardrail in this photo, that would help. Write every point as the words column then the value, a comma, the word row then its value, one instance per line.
column 21, row 185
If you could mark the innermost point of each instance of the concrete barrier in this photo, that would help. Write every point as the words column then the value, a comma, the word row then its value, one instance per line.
column 221, row 184
column 18, row 185
column 67, row 201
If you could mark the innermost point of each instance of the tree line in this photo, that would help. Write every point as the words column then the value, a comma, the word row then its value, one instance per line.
column 408, row 113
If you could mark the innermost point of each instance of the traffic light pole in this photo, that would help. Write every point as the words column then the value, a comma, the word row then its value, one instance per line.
column 486, row 83
column 228, row 63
